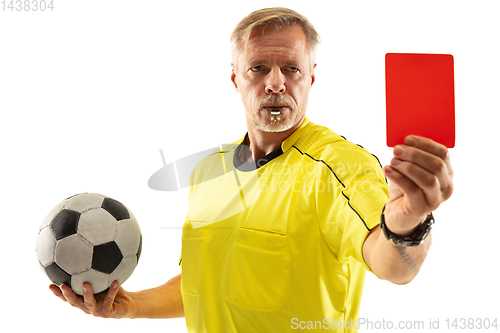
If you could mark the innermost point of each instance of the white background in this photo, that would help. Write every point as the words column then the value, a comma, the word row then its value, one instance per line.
column 90, row 92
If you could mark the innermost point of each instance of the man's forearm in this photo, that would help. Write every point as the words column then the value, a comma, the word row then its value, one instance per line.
column 392, row 262
column 164, row 301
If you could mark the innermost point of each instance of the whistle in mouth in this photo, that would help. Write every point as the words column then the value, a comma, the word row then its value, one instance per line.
column 275, row 114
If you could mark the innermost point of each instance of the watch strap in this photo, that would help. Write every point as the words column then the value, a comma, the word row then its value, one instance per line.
column 421, row 232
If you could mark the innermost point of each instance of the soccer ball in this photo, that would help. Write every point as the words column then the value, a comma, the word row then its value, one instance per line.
column 89, row 238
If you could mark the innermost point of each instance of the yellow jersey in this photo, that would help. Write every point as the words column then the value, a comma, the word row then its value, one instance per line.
column 276, row 245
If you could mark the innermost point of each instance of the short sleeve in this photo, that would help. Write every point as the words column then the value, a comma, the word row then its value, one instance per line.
column 348, row 212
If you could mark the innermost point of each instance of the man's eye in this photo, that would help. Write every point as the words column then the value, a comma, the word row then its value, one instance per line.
column 293, row 69
column 256, row 68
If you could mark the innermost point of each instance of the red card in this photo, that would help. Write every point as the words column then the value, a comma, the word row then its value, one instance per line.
column 420, row 97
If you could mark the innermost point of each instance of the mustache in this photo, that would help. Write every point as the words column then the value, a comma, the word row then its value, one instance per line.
column 275, row 100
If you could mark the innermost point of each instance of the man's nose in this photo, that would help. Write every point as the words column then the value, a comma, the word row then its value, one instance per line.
column 275, row 82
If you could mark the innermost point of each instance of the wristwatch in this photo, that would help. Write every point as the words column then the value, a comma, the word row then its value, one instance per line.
column 418, row 237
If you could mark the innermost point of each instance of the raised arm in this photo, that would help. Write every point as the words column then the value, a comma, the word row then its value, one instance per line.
column 420, row 177
column 164, row 301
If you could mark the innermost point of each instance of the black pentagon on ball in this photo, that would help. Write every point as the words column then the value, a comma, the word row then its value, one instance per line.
column 106, row 257
column 115, row 208
column 57, row 275
column 65, row 223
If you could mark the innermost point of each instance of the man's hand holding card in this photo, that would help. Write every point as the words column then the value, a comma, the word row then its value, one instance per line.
column 420, row 127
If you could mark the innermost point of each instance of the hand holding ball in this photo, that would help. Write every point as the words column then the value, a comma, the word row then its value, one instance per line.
column 89, row 238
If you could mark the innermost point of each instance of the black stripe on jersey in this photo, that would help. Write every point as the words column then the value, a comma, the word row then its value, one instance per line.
column 336, row 177
column 371, row 154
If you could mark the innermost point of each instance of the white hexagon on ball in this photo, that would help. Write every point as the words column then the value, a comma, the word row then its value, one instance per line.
column 98, row 280
column 74, row 254
column 128, row 237
column 83, row 202
column 97, row 226
column 124, row 270
column 45, row 246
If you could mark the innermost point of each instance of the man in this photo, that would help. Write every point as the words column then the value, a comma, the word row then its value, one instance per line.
column 285, row 232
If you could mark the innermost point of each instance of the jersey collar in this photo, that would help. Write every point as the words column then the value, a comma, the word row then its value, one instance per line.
column 290, row 141
column 285, row 145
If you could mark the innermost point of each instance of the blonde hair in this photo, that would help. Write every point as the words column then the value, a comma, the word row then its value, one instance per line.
column 276, row 18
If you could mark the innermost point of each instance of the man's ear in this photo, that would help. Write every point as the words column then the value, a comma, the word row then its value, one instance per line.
column 313, row 77
column 233, row 77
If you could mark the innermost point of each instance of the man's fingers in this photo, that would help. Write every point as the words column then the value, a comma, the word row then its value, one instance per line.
column 407, row 187
column 88, row 297
column 436, row 149
column 418, row 184
column 102, row 305
column 427, row 145
column 430, row 162
column 109, row 299
column 421, row 164
column 73, row 299
column 56, row 291
column 433, row 148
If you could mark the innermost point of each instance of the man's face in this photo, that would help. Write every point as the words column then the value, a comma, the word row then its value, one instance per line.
column 273, row 71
